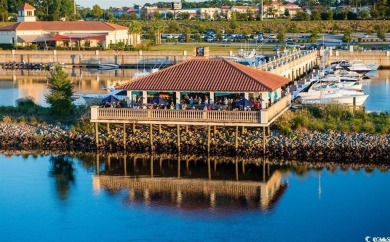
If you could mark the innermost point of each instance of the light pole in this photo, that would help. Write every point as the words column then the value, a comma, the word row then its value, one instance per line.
column 262, row 10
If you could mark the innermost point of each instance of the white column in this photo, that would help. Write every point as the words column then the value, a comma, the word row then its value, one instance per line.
column 272, row 97
column 177, row 97
column 279, row 92
column 264, row 98
column 212, row 97
column 144, row 97
column 129, row 98
column 246, row 95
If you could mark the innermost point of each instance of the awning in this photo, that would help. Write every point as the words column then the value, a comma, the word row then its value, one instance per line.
column 33, row 38
column 58, row 37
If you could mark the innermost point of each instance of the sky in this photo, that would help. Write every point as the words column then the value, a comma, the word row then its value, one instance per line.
column 116, row 3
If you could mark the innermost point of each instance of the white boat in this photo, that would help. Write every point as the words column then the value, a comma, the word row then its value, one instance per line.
column 352, row 65
column 331, row 81
column 144, row 72
column 108, row 66
column 247, row 58
column 336, row 97
column 373, row 66
column 332, row 92
column 120, row 94
column 359, row 68
column 78, row 100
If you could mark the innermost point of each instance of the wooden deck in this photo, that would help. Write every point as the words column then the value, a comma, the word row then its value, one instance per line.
column 260, row 118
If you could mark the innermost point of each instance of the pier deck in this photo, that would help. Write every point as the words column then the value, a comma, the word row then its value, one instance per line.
column 262, row 118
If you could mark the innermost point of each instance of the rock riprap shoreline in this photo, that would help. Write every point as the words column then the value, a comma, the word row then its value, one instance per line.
column 303, row 145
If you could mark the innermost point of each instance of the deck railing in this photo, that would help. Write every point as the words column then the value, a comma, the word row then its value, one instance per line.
column 201, row 116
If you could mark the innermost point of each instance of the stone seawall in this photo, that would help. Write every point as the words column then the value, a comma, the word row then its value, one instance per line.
column 303, row 146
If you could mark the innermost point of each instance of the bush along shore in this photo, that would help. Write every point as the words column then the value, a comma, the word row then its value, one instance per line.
column 308, row 146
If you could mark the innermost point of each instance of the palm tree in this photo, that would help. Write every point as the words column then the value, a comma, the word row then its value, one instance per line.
column 157, row 28
column 135, row 29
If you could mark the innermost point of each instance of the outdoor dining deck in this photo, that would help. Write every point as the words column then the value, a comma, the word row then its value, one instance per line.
column 262, row 118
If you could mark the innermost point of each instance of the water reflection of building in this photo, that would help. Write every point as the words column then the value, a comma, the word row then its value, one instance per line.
column 190, row 182
column 33, row 83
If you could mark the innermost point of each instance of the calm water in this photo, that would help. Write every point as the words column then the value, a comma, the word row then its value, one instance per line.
column 18, row 84
column 67, row 199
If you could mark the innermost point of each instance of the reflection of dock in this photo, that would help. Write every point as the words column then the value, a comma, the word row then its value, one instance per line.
column 184, row 185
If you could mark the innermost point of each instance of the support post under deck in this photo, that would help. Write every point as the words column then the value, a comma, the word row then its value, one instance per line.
column 97, row 134
column 124, row 136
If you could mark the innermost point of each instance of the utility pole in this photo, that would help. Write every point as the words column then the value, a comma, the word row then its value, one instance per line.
column 262, row 10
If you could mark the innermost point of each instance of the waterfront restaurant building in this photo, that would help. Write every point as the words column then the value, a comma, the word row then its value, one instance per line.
column 208, row 80
column 28, row 31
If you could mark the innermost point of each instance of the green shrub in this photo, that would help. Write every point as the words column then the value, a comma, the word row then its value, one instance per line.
column 34, row 120
column 330, row 126
column 22, row 120
column 317, row 125
column 286, row 131
column 368, row 127
column 300, row 121
column 343, row 127
column 7, row 119
column 25, row 102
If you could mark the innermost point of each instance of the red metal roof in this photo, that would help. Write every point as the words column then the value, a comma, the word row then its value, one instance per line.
column 58, row 26
column 25, row 6
column 208, row 75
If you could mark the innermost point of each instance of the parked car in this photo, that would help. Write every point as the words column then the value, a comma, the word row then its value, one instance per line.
column 290, row 39
column 272, row 36
column 310, row 46
column 276, row 48
column 342, row 47
column 291, row 45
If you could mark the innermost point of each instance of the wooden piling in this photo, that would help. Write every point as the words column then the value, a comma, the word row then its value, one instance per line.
column 151, row 166
column 97, row 134
column 236, row 143
column 263, row 140
column 151, row 136
column 108, row 133
column 208, row 166
column 178, row 164
column 236, row 161
column 125, row 163
column 208, row 138
column 178, row 137
column 124, row 136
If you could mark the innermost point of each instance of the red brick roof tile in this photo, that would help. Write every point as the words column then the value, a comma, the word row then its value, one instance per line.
column 57, row 26
column 208, row 75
